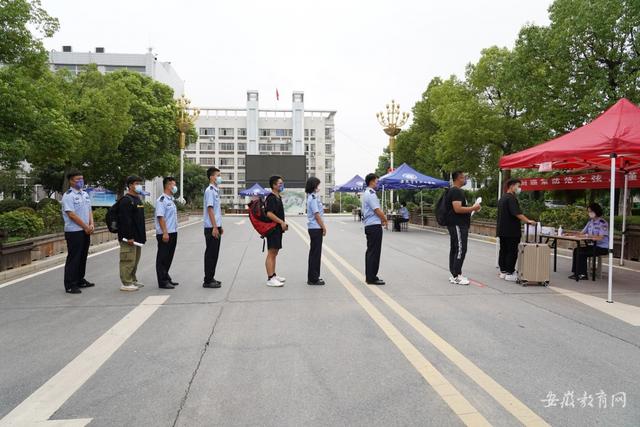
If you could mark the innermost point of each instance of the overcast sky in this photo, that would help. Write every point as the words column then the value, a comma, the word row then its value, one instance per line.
column 352, row 56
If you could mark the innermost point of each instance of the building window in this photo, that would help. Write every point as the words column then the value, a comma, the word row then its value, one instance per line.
column 328, row 178
column 264, row 133
column 265, row 147
column 227, row 176
column 328, row 148
column 190, row 159
column 242, row 146
column 226, row 146
column 225, row 133
column 241, row 176
column 207, row 131
column 328, row 163
column 191, row 147
column 241, row 161
column 227, row 191
column 310, row 134
column 209, row 161
column 283, row 132
column 328, row 133
column 242, row 133
column 207, row 146
column 226, row 162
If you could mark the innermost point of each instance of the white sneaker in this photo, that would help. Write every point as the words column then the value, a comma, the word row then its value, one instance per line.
column 139, row 285
column 129, row 288
column 451, row 279
column 461, row 280
column 280, row 279
column 502, row 275
column 511, row 277
column 274, row 283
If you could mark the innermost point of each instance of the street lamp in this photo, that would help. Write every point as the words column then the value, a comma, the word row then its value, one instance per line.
column 187, row 116
column 392, row 121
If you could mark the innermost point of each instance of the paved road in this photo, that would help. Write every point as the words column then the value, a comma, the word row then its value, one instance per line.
column 417, row 351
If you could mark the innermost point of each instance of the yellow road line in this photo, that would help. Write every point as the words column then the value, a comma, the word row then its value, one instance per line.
column 452, row 397
column 507, row 400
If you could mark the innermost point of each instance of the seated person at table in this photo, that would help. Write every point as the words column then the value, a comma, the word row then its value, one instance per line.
column 598, row 230
column 404, row 216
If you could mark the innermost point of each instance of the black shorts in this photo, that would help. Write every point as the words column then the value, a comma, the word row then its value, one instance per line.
column 274, row 239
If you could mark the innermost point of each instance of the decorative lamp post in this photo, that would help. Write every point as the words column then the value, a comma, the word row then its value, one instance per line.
column 392, row 121
column 187, row 116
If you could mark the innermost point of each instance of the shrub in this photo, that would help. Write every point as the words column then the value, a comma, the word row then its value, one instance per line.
column 8, row 205
column 635, row 211
column 487, row 212
column 148, row 210
column 21, row 224
column 26, row 209
column 46, row 202
column 569, row 217
column 51, row 216
column 631, row 220
column 99, row 216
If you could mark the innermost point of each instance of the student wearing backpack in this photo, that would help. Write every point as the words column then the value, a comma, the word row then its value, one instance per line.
column 458, row 223
column 132, row 228
column 317, row 230
column 275, row 212
column 373, row 219
column 212, row 216
column 78, row 227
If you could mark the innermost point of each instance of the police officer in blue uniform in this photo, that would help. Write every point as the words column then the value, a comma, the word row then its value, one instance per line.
column 317, row 230
column 373, row 219
column 166, row 219
column 78, row 226
column 212, row 216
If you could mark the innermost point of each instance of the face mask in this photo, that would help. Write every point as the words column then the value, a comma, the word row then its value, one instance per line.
column 518, row 190
column 318, row 190
column 79, row 184
column 218, row 180
column 174, row 189
column 465, row 181
column 592, row 215
column 138, row 188
column 281, row 188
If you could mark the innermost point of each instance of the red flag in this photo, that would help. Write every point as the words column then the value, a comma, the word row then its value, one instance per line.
column 277, row 95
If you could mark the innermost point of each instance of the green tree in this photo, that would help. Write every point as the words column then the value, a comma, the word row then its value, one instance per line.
column 21, row 22
column 195, row 181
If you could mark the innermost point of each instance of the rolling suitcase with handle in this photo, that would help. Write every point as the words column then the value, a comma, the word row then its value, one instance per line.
column 534, row 265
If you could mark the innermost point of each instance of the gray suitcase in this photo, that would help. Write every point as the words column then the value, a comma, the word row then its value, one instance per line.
column 534, row 261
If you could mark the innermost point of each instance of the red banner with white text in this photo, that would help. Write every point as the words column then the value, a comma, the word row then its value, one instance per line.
column 591, row 181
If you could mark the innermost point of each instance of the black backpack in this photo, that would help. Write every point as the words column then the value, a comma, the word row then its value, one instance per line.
column 442, row 208
column 111, row 218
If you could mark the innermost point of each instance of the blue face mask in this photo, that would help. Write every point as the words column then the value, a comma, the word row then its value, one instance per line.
column 174, row 189
column 79, row 184
column 138, row 188
column 218, row 180
column 281, row 188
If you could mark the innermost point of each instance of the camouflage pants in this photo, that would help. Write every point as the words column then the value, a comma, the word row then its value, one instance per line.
column 129, row 258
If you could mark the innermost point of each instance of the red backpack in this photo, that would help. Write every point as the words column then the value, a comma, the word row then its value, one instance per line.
column 259, row 220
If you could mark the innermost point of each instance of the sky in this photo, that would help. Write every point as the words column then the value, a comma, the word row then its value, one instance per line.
column 352, row 56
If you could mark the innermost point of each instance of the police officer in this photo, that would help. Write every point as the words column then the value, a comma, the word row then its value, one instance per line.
column 166, row 219
column 373, row 219
column 317, row 230
column 212, row 216
column 78, row 226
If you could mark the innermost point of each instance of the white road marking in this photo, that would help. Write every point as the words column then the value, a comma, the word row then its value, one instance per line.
column 240, row 222
column 38, row 273
column 45, row 401
column 625, row 312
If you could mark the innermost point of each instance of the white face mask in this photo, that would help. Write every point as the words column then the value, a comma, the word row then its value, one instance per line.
column 518, row 190
column 592, row 215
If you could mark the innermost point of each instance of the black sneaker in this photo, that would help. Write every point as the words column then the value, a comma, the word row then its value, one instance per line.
column 73, row 291
column 214, row 284
column 578, row 277
column 167, row 285
column 378, row 282
column 173, row 283
column 86, row 284
column 318, row 282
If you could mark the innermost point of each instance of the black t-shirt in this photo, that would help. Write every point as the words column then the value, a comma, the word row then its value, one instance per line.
column 508, row 222
column 457, row 195
column 274, row 204
column 131, row 219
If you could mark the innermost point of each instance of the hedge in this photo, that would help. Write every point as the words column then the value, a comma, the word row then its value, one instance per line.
column 21, row 224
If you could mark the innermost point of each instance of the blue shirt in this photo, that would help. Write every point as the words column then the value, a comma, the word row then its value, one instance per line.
column 404, row 212
column 212, row 199
column 598, row 227
column 166, row 208
column 78, row 202
column 314, row 206
column 370, row 203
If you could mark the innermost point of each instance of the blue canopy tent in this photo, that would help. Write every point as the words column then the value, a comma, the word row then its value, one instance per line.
column 255, row 190
column 354, row 185
column 406, row 178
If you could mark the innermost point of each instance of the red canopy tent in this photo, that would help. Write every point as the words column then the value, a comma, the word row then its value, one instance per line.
column 610, row 142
